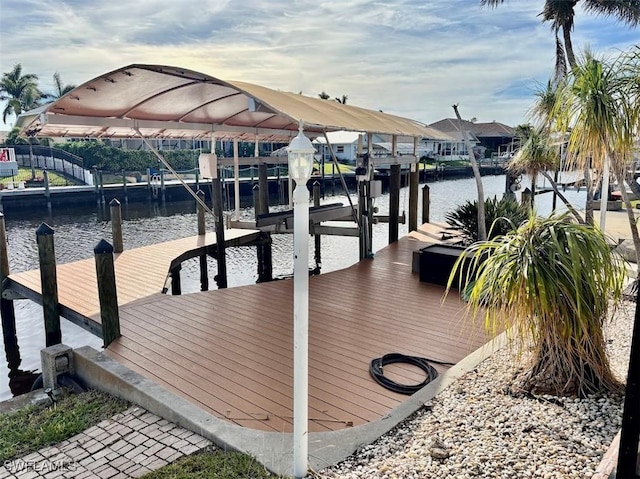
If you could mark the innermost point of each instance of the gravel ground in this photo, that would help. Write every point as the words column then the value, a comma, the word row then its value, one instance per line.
column 476, row 429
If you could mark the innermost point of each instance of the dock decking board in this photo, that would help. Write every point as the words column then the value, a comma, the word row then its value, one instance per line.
column 240, row 339
column 140, row 272
column 230, row 351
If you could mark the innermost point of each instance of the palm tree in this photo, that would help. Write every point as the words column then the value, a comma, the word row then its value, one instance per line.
column 539, row 155
column 19, row 91
column 561, row 13
column 548, row 283
column 600, row 106
column 324, row 95
column 60, row 88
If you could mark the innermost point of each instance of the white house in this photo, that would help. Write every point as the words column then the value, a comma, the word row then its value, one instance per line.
column 345, row 146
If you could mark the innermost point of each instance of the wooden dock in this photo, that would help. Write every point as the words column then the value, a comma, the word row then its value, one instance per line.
column 230, row 351
column 140, row 273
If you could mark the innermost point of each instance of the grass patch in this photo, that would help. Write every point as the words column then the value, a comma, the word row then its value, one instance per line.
column 213, row 464
column 25, row 175
column 34, row 427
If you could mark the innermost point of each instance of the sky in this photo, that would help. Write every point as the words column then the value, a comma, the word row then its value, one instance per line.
column 407, row 57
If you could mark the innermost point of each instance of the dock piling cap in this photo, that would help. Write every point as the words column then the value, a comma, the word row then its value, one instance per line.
column 44, row 229
column 103, row 247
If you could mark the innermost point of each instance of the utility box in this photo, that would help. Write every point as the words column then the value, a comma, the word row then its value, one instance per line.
column 436, row 263
column 208, row 164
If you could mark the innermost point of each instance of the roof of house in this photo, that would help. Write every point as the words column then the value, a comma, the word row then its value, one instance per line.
column 455, row 127
column 172, row 102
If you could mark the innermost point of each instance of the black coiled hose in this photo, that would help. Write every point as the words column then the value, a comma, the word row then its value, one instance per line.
column 377, row 365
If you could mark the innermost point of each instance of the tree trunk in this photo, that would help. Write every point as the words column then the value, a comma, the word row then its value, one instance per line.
column 482, row 225
column 588, row 209
column 568, row 45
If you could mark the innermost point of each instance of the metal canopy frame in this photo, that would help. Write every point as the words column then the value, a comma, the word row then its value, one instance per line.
column 172, row 102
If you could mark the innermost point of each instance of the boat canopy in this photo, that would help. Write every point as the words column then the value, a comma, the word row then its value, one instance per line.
column 158, row 101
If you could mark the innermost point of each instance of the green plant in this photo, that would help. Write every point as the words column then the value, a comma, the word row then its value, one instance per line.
column 28, row 429
column 214, row 464
column 549, row 284
column 500, row 217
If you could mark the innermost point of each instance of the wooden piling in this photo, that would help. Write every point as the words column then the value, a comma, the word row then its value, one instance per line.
column 7, row 310
column 362, row 200
column 221, row 277
column 317, row 238
column 426, row 203
column 630, row 432
column 263, row 248
column 204, row 274
column 394, row 203
column 149, row 193
column 124, row 187
column 163, row 196
column 47, row 190
column 414, row 185
column 107, row 293
column 201, row 213
column 101, row 181
column 263, row 182
column 49, row 285
column 115, row 211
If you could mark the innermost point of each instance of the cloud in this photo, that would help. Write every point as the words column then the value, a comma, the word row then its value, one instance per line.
column 408, row 57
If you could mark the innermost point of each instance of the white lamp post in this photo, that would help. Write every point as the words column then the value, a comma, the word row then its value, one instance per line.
column 300, row 152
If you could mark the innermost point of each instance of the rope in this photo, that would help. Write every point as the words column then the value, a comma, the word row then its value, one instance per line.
column 377, row 365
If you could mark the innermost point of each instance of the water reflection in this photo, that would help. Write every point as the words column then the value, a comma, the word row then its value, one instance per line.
column 79, row 229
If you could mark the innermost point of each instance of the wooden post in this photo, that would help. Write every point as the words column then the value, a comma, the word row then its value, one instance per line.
column 263, row 181
column 317, row 238
column 149, row 183
column 47, row 191
column 221, row 277
column 201, row 213
column 162, row 192
column 107, row 292
column 426, row 203
column 362, row 200
column 630, row 433
column 394, row 203
column 414, row 185
column 124, row 185
column 101, row 186
column 176, row 283
column 204, row 274
column 115, row 211
column 49, row 284
column 7, row 311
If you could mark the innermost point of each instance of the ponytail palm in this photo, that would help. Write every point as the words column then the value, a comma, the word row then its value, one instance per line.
column 549, row 284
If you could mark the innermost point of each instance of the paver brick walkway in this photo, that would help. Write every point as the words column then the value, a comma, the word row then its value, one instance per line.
column 129, row 444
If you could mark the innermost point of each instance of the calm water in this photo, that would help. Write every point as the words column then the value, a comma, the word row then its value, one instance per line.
column 77, row 231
